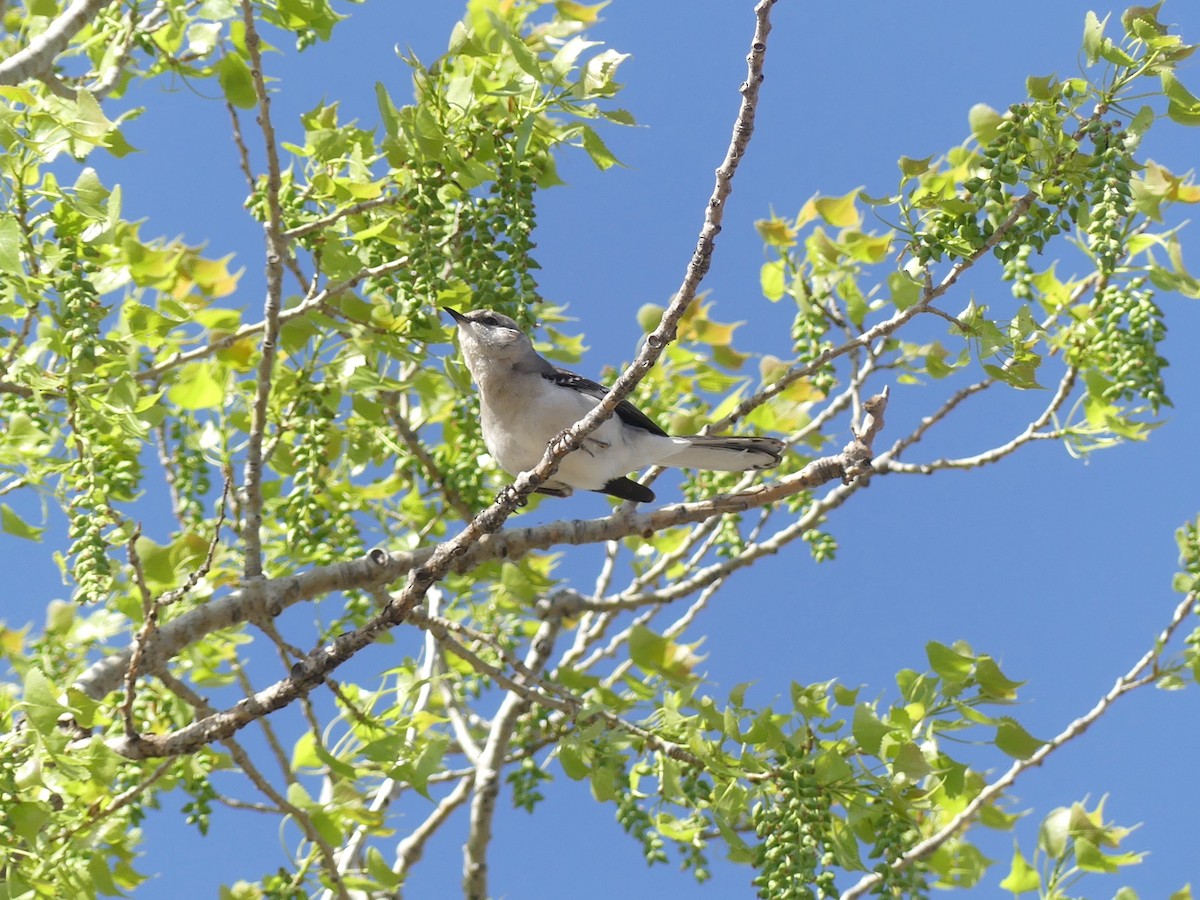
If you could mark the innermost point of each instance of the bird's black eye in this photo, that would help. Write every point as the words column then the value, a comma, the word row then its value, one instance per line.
column 489, row 319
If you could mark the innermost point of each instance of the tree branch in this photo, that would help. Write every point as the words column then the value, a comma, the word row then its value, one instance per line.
column 276, row 248
column 490, row 764
column 37, row 58
column 379, row 567
column 1136, row 677
column 410, row 850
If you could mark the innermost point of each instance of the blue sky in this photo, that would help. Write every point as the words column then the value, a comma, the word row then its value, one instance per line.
column 1057, row 567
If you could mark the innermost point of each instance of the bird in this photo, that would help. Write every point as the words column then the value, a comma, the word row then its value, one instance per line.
column 525, row 401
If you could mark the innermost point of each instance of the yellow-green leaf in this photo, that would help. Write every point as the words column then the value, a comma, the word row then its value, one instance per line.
column 236, row 82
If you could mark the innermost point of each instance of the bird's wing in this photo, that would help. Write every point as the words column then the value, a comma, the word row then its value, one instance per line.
column 626, row 411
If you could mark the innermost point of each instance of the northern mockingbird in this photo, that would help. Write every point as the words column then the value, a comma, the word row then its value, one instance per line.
column 525, row 401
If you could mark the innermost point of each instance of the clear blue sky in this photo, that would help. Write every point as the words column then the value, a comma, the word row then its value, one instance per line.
column 1058, row 568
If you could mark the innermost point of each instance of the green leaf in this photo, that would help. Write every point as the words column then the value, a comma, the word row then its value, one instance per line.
column 417, row 771
column 236, row 82
column 952, row 666
column 1054, row 832
column 994, row 683
column 202, row 37
column 588, row 14
column 40, row 703
column 737, row 696
column 604, row 784
column 1021, row 877
column 911, row 168
column 10, row 246
column 304, row 754
column 771, row 279
column 1141, row 122
column 844, row 843
column 1089, row 858
column 101, row 877
column 1041, row 87
column 844, row 696
column 910, row 762
column 333, row 764
column 841, row 212
column 1093, row 36
column 523, row 56
column 984, row 122
column 648, row 650
column 573, row 764
column 1142, row 21
column 1110, row 52
column 197, row 388
column 1014, row 740
column 598, row 150
column 387, row 110
column 905, row 291
column 379, row 870
column 868, row 731
column 15, row 525
column 1182, row 105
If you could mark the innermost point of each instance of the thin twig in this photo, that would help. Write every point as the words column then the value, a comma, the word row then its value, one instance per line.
column 338, row 214
column 410, row 850
column 1136, row 677
column 433, row 473
column 149, row 623
column 276, row 248
column 115, row 804
column 247, row 767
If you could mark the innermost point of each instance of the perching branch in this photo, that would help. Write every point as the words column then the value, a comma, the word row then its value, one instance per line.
column 379, row 567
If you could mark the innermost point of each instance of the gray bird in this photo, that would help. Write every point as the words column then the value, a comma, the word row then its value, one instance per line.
column 525, row 401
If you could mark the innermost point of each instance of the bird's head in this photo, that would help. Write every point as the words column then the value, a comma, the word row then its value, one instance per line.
column 489, row 336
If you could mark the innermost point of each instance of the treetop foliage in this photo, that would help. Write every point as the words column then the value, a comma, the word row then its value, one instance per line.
column 320, row 443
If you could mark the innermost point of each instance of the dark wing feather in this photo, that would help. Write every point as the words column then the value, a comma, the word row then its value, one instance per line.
column 626, row 411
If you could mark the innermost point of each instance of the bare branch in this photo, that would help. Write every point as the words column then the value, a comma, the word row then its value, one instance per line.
column 410, row 850
column 339, row 214
column 490, row 763
column 1032, row 432
column 38, row 57
column 276, row 249
column 149, row 621
column 115, row 804
column 656, row 342
column 433, row 474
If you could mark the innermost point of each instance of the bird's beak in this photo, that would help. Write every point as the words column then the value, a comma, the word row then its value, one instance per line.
column 455, row 314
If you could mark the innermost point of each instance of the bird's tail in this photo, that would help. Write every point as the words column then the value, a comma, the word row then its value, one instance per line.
column 725, row 454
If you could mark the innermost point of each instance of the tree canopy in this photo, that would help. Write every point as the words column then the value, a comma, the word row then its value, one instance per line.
column 248, row 488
